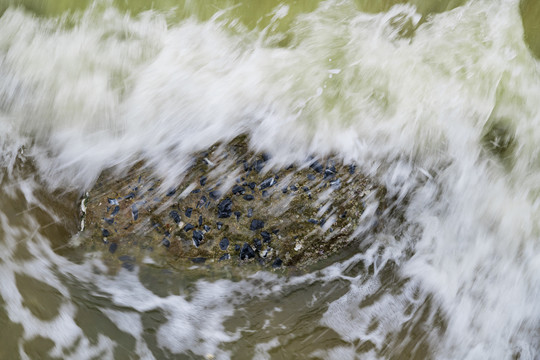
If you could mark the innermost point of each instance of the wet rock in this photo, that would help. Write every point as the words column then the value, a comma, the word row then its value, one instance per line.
column 175, row 216
column 257, row 243
column 316, row 166
column 197, row 237
column 277, row 263
column 330, row 171
column 256, row 225
column 214, row 195
column 225, row 208
column 302, row 238
column 266, row 236
column 128, row 266
column 126, row 258
column 335, row 183
column 202, row 202
column 116, row 210
column 267, row 183
column 134, row 212
column 113, row 247
column 238, row 190
column 202, row 180
column 247, row 252
column 224, row 244
column 258, row 165
column 225, row 257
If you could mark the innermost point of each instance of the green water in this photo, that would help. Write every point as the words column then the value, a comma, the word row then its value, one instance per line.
column 258, row 14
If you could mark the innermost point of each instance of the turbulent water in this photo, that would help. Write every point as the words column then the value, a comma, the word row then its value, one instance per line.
column 439, row 103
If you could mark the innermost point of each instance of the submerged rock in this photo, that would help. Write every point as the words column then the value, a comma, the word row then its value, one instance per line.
column 297, row 228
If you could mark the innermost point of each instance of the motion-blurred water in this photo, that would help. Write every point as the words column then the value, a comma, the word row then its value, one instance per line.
column 439, row 101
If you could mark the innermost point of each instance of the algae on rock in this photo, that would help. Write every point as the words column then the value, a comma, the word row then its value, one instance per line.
column 244, row 212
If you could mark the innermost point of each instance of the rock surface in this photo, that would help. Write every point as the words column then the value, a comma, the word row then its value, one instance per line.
column 231, row 207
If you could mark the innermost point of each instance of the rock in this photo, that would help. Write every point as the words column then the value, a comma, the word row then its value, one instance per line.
column 116, row 210
column 224, row 244
column 267, row 183
column 316, row 166
column 283, row 219
column 128, row 266
column 214, row 195
column 277, row 263
column 256, row 225
column 197, row 237
column 225, row 209
column 257, row 243
column 134, row 212
column 174, row 215
column 266, row 236
column 247, row 252
column 258, row 165
column 202, row 202
column 238, row 190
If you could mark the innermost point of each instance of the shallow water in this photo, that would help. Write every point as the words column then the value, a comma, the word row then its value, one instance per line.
column 436, row 100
